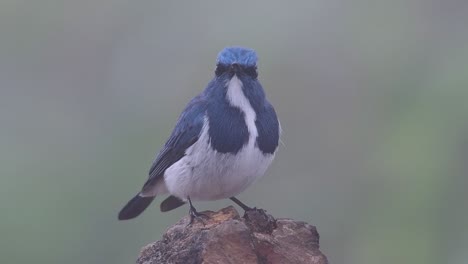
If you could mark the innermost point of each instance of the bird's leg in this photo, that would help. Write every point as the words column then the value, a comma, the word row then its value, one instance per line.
column 241, row 204
column 193, row 212
column 254, row 214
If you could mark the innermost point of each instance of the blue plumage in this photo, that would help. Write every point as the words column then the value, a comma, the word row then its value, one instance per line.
column 225, row 121
column 242, row 56
column 185, row 133
column 225, row 138
column 266, row 121
column 268, row 129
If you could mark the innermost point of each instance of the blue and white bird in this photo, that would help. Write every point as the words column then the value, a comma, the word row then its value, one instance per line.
column 224, row 140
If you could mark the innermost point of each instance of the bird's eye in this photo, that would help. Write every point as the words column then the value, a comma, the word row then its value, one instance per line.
column 220, row 69
column 251, row 71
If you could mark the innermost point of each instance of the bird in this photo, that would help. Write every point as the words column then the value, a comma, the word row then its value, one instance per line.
column 223, row 141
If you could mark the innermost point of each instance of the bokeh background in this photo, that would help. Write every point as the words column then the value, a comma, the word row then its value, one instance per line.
column 372, row 97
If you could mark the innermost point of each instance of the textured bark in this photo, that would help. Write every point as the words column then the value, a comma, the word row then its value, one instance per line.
column 225, row 237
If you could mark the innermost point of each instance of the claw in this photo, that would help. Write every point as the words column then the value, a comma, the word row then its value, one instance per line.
column 195, row 215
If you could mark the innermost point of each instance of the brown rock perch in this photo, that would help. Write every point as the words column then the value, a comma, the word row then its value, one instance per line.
column 225, row 237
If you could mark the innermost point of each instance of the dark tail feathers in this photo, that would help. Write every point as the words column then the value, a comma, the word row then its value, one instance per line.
column 135, row 207
column 171, row 203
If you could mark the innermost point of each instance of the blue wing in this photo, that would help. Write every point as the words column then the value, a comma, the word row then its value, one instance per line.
column 268, row 129
column 184, row 135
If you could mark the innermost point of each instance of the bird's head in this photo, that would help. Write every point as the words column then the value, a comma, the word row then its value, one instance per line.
column 237, row 61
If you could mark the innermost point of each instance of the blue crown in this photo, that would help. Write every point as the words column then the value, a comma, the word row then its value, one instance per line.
column 242, row 56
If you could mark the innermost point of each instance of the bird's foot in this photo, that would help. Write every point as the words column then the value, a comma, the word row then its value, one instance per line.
column 254, row 210
column 196, row 215
column 259, row 220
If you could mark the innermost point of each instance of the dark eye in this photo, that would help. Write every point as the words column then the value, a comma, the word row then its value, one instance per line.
column 220, row 69
column 251, row 71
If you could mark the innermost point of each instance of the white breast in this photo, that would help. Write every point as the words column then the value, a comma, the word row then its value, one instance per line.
column 236, row 98
column 205, row 174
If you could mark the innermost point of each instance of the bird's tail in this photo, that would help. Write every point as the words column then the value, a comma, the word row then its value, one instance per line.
column 135, row 207
column 171, row 203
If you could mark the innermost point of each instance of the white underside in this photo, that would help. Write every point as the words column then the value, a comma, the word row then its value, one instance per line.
column 205, row 174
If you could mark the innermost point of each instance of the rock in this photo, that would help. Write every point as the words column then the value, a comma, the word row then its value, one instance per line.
column 225, row 237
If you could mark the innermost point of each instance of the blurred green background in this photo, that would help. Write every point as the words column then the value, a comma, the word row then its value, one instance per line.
column 372, row 97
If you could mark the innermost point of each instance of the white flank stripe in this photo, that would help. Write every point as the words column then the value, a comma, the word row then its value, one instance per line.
column 205, row 174
column 236, row 98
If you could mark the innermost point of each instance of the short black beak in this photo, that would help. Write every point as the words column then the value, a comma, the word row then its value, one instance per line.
column 235, row 68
